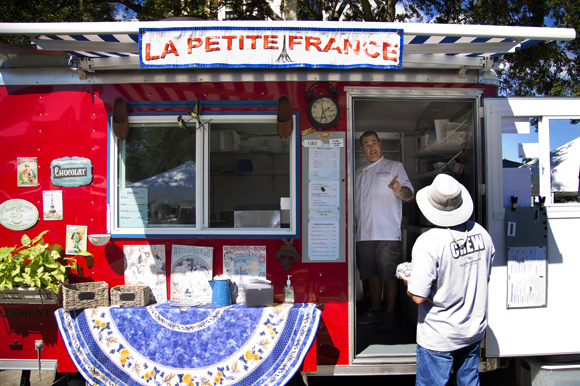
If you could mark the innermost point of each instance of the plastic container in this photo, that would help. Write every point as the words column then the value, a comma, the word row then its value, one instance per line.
column 288, row 291
column 259, row 294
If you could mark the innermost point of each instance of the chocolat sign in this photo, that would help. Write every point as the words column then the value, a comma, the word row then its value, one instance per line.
column 71, row 172
column 271, row 47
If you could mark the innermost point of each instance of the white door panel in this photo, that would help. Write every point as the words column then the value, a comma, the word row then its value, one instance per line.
column 552, row 329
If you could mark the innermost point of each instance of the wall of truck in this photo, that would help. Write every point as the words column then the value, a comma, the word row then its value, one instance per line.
column 52, row 122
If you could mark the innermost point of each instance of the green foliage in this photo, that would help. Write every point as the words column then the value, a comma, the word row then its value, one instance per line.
column 36, row 11
column 545, row 69
column 34, row 264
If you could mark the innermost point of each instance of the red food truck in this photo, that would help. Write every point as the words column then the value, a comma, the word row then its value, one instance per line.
column 148, row 137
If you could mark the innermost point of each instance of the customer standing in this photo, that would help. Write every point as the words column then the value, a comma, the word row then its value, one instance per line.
column 450, row 271
column 381, row 186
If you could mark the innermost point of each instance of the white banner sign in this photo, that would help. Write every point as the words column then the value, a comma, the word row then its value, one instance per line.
column 270, row 47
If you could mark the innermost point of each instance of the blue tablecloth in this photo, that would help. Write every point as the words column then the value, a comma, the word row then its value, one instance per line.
column 189, row 346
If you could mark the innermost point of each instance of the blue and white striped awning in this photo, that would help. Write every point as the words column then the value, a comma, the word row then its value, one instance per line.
column 116, row 44
column 122, row 45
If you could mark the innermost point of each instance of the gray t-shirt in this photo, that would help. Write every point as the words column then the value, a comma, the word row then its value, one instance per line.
column 453, row 277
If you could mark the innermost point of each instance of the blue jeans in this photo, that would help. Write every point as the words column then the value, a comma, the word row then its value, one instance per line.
column 434, row 367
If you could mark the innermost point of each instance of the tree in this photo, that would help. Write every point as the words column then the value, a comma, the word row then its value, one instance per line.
column 547, row 68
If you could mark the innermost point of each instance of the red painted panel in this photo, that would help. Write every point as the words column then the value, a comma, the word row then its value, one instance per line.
column 52, row 122
column 24, row 324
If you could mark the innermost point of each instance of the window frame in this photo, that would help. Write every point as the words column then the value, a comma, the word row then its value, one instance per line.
column 202, row 145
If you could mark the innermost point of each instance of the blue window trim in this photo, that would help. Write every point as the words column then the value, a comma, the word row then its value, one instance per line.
column 150, row 232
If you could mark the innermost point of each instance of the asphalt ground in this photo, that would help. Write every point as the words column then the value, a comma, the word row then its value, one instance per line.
column 500, row 377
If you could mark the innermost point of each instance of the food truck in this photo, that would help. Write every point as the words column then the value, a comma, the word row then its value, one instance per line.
column 241, row 138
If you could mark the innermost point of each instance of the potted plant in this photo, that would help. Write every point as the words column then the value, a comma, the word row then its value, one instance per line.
column 35, row 264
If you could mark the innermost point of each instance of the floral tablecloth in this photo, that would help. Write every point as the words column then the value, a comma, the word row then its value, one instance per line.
column 167, row 345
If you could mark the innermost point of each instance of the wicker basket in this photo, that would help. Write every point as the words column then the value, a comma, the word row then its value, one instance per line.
column 79, row 296
column 130, row 295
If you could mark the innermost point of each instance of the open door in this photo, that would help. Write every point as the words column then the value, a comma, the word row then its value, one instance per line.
column 530, row 312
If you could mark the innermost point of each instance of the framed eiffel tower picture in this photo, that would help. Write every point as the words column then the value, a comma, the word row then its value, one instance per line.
column 52, row 205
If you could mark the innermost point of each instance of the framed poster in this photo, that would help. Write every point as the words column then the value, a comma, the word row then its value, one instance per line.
column 52, row 205
column 242, row 262
column 191, row 271
column 76, row 239
column 145, row 265
column 27, row 171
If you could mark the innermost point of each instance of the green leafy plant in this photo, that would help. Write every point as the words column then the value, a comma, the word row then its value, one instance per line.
column 34, row 264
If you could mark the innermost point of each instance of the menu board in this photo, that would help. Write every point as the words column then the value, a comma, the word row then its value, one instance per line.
column 323, row 191
column 133, row 207
column 527, row 266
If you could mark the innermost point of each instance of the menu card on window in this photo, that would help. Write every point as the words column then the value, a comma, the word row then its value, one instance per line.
column 133, row 207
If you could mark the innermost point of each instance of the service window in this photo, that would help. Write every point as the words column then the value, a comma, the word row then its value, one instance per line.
column 523, row 161
column 230, row 175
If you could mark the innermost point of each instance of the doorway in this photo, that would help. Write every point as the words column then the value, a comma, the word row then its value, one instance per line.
column 429, row 135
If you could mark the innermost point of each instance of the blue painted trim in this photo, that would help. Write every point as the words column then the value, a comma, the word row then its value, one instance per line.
column 297, row 138
column 419, row 39
column 449, row 39
column 270, row 103
column 109, row 150
column 200, row 236
column 79, row 38
column 204, row 104
column 108, row 38
column 54, row 37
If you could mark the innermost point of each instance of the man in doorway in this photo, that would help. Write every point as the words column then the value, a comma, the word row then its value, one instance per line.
column 450, row 271
column 381, row 186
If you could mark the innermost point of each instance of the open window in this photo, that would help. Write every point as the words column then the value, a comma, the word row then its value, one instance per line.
column 229, row 175
column 523, row 161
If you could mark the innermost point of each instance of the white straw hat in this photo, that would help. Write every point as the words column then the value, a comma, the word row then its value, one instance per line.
column 445, row 202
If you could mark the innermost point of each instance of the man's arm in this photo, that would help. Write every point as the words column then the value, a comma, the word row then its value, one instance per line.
column 415, row 298
column 403, row 191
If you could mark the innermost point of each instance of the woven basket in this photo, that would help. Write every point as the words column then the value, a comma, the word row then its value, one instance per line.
column 79, row 296
column 130, row 295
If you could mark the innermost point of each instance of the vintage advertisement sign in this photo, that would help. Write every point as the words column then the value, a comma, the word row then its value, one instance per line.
column 191, row 271
column 272, row 47
column 145, row 265
column 18, row 214
column 71, row 172
column 27, row 171
column 76, row 239
column 242, row 262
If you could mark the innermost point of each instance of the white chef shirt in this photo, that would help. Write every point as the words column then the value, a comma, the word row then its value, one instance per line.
column 378, row 209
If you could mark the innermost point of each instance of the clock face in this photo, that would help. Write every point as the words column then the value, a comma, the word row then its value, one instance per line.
column 323, row 112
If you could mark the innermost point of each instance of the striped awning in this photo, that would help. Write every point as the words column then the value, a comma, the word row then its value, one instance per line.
column 115, row 45
column 123, row 45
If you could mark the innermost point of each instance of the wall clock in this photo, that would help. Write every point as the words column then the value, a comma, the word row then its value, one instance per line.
column 323, row 110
